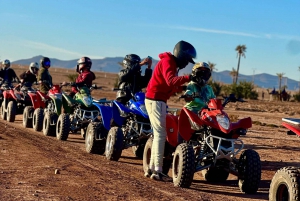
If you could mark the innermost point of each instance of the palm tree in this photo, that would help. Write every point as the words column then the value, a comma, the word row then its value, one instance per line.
column 233, row 74
column 280, row 76
column 212, row 67
column 241, row 49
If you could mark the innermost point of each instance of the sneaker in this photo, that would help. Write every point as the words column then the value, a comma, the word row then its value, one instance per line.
column 148, row 173
column 159, row 176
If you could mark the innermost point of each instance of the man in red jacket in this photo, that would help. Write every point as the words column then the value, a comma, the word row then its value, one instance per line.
column 163, row 83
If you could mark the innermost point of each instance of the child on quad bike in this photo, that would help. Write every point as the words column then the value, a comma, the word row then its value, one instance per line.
column 130, row 78
column 29, row 77
column 44, row 78
column 198, row 93
column 8, row 74
column 85, row 75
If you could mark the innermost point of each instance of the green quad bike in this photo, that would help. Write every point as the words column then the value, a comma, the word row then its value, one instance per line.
column 78, row 112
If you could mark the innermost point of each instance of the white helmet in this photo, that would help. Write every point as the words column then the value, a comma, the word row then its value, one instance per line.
column 6, row 64
column 34, row 67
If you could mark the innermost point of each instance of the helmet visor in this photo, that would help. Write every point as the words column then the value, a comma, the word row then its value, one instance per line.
column 47, row 63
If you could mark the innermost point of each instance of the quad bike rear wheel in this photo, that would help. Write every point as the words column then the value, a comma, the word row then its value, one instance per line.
column 3, row 113
column 183, row 165
column 11, row 111
column 37, row 120
column 214, row 174
column 27, row 116
column 147, row 156
column 63, row 127
column 249, row 170
column 114, row 144
column 138, row 150
column 49, row 124
column 285, row 184
column 92, row 145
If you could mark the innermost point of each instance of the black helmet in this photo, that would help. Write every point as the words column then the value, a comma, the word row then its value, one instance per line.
column 84, row 62
column 201, row 73
column 45, row 61
column 131, row 60
column 185, row 53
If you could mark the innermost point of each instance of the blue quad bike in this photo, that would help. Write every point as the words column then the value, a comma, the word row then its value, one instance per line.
column 128, row 126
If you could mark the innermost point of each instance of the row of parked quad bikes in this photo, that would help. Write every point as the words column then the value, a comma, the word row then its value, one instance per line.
column 210, row 140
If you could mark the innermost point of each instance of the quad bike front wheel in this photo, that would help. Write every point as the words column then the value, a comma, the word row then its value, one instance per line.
column 37, row 120
column 63, row 127
column 249, row 170
column 285, row 185
column 11, row 111
column 147, row 155
column 214, row 174
column 3, row 108
column 49, row 124
column 183, row 166
column 92, row 145
column 27, row 116
column 114, row 144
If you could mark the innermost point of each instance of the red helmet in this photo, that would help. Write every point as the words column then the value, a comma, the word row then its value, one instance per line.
column 84, row 62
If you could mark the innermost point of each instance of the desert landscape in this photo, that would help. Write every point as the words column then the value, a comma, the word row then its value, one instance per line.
column 36, row 167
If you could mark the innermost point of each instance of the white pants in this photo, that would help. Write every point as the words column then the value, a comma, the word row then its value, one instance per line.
column 157, row 115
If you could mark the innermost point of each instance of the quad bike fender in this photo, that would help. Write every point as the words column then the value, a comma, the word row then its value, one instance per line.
column 293, row 128
column 106, row 113
column 36, row 100
column 242, row 123
column 67, row 103
column 185, row 119
column 172, row 129
column 58, row 104
column 120, row 112
column 8, row 94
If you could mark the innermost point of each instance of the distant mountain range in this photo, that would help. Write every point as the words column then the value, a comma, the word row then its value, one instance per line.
column 110, row 65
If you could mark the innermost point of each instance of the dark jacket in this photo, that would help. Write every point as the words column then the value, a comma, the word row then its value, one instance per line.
column 28, row 78
column 165, row 81
column 8, row 76
column 45, row 77
column 131, row 81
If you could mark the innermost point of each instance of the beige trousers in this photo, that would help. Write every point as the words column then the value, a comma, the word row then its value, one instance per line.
column 157, row 115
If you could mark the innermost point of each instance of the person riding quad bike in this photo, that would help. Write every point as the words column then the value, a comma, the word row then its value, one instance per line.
column 85, row 75
column 198, row 87
column 28, row 78
column 8, row 74
column 130, row 78
column 44, row 78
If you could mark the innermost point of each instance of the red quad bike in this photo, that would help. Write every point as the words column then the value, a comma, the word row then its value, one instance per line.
column 285, row 184
column 210, row 144
column 14, row 102
column 43, row 105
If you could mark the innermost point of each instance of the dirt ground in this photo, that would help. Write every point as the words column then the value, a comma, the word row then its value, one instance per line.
column 29, row 162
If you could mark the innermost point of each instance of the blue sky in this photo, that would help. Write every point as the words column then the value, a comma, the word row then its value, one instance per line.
column 69, row 29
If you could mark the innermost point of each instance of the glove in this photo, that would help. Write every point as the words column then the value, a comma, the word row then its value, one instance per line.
column 184, row 88
column 73, row 84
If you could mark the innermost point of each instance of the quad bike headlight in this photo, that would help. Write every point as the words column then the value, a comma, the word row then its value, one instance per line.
column 87, row 100
column 223, row 121
column 143, row 108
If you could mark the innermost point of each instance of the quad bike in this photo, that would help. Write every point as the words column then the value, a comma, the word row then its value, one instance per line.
column 130, row 127
column 15, row 99
column 285, row 185
column 78, row 113
column 210, row 144
column 41, row 115
column 53, row 107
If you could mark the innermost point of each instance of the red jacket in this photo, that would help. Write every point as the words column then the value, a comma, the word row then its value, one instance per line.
column 84, row 78
column 164, row 81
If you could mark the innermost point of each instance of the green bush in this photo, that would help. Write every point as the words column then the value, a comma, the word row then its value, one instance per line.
column 216, row 86
column 243, row 90
column 297, row 97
